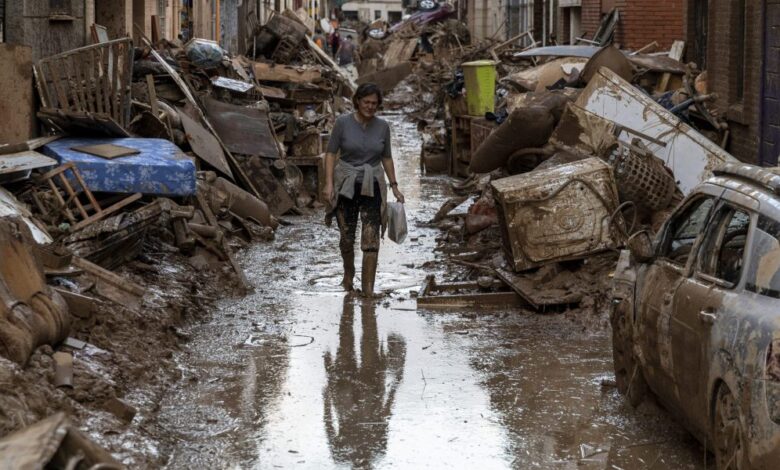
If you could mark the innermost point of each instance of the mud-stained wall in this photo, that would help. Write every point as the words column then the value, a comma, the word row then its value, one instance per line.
column 116, row 16
column 48, row 31
column 16, row 94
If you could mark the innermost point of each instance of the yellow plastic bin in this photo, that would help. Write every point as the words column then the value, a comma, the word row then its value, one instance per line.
column 480, row 77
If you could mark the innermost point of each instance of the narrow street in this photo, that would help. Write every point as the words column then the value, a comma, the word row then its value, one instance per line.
column 300, row 375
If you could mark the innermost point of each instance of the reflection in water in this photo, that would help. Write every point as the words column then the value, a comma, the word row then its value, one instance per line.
column 359, row 395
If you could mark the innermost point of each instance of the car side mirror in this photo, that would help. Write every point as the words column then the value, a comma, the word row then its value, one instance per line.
column 641, row 246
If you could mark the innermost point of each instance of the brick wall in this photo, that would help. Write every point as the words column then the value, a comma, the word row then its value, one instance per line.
column 591, row 17
column 641, row 21
column 646, row 21
column 723, row 55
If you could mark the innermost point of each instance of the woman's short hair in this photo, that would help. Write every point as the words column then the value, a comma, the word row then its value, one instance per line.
column 367, row 89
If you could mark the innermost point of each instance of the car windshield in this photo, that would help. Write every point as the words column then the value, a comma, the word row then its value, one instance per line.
column 764, row 272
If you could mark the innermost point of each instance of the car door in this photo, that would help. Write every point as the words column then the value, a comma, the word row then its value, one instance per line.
column 698, row 301
column 657, row 286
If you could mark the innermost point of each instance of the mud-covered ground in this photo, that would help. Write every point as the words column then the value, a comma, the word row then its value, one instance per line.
column 300, row 375
column 121, row 374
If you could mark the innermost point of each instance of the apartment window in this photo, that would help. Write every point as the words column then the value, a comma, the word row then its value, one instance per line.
column 740, row 30
column 377, row 14
column 520, row 18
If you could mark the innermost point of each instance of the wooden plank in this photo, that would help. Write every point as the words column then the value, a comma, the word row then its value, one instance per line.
column 103, row 213
column 94, row 83
column 116, row 99
column 204, row 144
column 87, row 84
column 286, row 73
column 152, row 94
column 62, row 98
column 125, row 79
column 109, row 277
column 78, row 82
column 105, row 66
column 107, row 151
column 678, row 47
column 465, row 294
column 399, row 51
column 70, row 78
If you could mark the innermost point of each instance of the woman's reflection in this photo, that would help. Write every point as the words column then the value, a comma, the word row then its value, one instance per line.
column 359, row 395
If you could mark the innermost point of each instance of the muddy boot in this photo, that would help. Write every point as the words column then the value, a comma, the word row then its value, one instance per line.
column 349, row 270
column 369, row 272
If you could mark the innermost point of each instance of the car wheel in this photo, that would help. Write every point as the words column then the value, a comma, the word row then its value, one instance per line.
column 427, row 5
column 727, row 432
column 628, row 371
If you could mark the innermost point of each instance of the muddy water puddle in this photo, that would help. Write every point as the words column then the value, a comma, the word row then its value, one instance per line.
column 298, row 375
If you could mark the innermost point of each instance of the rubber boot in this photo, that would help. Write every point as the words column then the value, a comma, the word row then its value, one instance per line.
column 349, row 270
column 369, row 272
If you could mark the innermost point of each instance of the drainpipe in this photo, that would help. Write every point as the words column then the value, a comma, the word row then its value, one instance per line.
column 552, row 16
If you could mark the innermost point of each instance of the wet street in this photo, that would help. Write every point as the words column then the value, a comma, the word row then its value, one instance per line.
column 299, row 375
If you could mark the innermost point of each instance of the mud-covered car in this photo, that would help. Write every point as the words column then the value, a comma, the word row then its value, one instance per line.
column 696, row 316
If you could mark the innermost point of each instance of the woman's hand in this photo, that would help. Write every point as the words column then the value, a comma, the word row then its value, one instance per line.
column 327, row 193
column 398, row 195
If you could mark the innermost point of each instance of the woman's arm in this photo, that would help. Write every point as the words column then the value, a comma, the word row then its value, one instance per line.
column 331, row 155
column 330, row 164
column 389, row 167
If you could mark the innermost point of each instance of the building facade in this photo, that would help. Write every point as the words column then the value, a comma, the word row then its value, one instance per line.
column 736, row 40
column 368, row 11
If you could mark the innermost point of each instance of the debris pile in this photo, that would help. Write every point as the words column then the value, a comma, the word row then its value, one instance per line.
column 157, row 161
column 565, row 152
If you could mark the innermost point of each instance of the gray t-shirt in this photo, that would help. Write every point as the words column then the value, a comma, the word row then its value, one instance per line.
column 360, row 146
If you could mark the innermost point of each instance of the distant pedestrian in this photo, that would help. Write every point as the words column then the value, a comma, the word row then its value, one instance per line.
column 357, row 160
column 319, row 38
column 345, row 54
column 335, row 42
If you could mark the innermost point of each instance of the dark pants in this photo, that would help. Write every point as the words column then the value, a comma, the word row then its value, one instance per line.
column 370, row 211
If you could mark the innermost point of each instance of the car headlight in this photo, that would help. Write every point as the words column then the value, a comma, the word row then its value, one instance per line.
column 772, row 380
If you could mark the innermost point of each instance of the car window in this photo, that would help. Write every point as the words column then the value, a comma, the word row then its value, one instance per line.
column 763, row 274
column 684, row 229
column 723, row 250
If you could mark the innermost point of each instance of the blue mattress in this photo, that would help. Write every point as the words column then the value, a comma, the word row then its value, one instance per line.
column 160, row 169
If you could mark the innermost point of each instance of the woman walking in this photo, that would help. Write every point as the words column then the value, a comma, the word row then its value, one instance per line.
column 357, row 159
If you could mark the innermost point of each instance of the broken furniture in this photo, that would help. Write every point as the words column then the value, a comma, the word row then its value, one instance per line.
column 244, row 130
column 79, row 214
column 119, row 238
column 92, row 80
column 689, row 154
column 31, row 313
column 466, row 294
column 19, row 166
column 561, row 213
column 535, row 292
column 160, row 167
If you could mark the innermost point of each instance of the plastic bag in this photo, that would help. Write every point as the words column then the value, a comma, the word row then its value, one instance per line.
column 204, row 53
column 396, row 223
